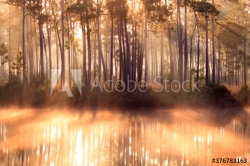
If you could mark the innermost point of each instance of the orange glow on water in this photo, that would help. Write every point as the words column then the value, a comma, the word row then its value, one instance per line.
column 61, row 137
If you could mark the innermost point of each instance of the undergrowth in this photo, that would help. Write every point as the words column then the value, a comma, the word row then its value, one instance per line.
column 39, row 95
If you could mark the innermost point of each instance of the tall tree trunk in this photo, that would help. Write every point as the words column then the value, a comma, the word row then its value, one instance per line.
column 245, row 64
column 116, row 66
column 170, row 54
column 69, row 48
column 162, row 60
column 31, row 52
column 111, row 49
column 23, row 50
column 156, row 61
column 135, row 53
column 198, row 48
column 140, row 59
column 104, row 67
column 9, row 54
column 99, row 55
column 57, row 52
column 180, row 41
column 48, row 28
column 213, row 50
column 49, row 47
column 84, row 55
column 62, row 46
column 151, row 60
column 124, row 53
column 207, row 60
column 120, row 48
column 95, row 56
column 198, row 56
column 89, row 46
column 128, row 74
column 191, row 56
column 41, row 52
column 46, row 57
column 185, row 46
column 134, row 61
column 37, row 57
column 146, row 48
column 219, row 64
column 27, row 48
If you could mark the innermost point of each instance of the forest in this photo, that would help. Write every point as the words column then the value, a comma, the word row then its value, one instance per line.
column 85, row 46
column 124, row 82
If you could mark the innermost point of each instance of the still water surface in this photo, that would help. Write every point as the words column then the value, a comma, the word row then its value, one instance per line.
column 164, row 138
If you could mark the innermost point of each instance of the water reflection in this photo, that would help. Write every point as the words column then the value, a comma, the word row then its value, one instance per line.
column 61, row 138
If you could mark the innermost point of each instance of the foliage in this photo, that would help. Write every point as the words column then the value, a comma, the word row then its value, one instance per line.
column 17, row 65
column 244, row 88
column 204, row 8
column 80, row 8
column 39, row 93
column 150, row 4
column 3, row 51
column 220, row 96
column 117, row 8
column 10, row 93
column 159, row 14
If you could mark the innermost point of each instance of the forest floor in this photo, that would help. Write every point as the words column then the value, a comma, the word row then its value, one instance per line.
column 209, row 97
column 222, row 101
column 37, row 95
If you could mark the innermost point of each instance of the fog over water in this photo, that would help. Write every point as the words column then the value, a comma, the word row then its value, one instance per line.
column 176, row 137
